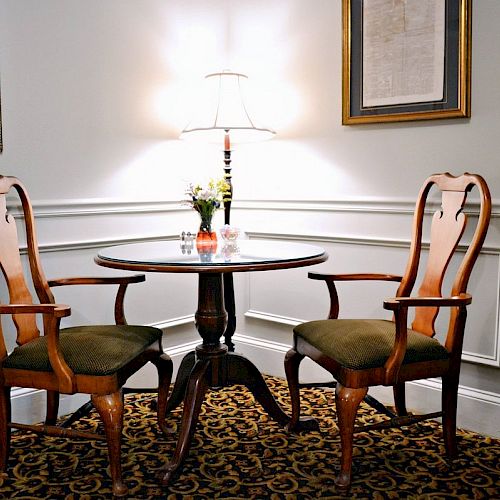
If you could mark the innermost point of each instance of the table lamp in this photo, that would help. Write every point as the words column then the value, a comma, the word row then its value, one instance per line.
column 224, row 117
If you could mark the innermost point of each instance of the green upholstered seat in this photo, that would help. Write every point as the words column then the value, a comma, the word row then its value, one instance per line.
column 359, row 344
column 88, row 350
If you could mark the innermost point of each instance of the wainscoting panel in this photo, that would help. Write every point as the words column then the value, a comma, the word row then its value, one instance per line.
column 371, row 238
column 359, row 235
column 288, row 296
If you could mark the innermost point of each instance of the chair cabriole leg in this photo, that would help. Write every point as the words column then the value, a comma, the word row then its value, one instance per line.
column 164, row 366
column 347, row 401
column 449, row 403
column 292, row 363
column 110, row 408
column 5, row 416
column 52, row 407
column 400, row 399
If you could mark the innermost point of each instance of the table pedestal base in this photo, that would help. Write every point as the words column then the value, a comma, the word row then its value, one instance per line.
column 215, row 368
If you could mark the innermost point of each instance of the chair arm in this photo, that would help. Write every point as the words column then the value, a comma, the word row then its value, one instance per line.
column 330, row 280
column 354, row 277
column 56, row 310
column 395, row 303
column 53, row 314
column 400, row 307
column 108, row 280
column 122, row 281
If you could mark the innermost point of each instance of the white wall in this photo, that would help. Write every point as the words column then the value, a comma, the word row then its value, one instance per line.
column 95, row 93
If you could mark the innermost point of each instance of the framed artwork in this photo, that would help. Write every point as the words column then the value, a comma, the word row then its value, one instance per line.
column 405, row 60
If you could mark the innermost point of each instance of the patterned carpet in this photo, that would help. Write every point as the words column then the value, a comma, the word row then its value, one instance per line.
column 239, row 452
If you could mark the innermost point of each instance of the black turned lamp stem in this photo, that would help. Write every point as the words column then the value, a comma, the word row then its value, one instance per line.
column 228, row 277
column 227, row 176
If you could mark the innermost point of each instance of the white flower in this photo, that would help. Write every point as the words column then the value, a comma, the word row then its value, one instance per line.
column 207, row 198
column 206, row 194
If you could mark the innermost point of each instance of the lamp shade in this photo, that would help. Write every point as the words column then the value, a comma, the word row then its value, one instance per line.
column 223, row 109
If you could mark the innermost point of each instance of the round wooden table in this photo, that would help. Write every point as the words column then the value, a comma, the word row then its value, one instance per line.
column 211, row 365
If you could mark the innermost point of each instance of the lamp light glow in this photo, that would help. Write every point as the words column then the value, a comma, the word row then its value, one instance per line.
column 224, row 109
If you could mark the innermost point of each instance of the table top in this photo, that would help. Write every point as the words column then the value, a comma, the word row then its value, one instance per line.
column 238, row 256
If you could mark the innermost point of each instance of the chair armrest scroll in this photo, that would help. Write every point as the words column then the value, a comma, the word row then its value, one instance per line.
column 392, row 304
column 56, row 310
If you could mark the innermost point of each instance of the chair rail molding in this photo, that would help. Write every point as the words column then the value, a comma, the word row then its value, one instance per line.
column 386, row 205
column 97, row 243
column 359, row 240
column 86, row 207
column 82, row 207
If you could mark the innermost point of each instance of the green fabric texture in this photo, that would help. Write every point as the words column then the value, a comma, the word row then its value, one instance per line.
column 359, row 344
column 88, row 350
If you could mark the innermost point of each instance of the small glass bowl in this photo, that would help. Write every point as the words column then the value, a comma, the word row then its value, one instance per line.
column 229, row 233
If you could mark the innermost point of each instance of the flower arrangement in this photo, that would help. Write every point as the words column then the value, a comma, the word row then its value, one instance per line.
column 206, row 200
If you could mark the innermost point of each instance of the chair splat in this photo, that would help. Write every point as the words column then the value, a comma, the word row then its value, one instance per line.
column 12, row 269
column 448, row 225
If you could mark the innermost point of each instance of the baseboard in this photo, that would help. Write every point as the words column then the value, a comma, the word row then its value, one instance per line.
column 28, row 405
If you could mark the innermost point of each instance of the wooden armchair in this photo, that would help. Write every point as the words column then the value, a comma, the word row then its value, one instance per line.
column 95, row 360
column 363, row 353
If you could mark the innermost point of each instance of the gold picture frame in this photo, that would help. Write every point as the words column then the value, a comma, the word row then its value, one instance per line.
column 391, row 74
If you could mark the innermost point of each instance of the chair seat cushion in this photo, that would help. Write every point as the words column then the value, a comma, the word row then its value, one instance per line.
column 360, row 344
column 88, row 350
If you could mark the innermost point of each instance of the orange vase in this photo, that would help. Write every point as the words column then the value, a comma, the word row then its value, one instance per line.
column 206, row 238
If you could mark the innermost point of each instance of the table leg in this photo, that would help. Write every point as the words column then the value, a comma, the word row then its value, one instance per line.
column 181, row 381
column 229, row 304
column 208, row 365
column 242, row 371
column 195, row 394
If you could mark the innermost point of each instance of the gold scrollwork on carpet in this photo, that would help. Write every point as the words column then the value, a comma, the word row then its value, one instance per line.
column 238, row 451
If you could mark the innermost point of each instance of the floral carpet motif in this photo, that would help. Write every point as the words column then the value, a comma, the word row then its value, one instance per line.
column 240, row 452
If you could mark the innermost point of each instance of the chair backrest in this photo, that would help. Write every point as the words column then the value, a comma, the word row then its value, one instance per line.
column 11, row 263
column 447, row 227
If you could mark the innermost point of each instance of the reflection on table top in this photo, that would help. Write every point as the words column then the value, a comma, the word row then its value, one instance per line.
column 241, row 255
